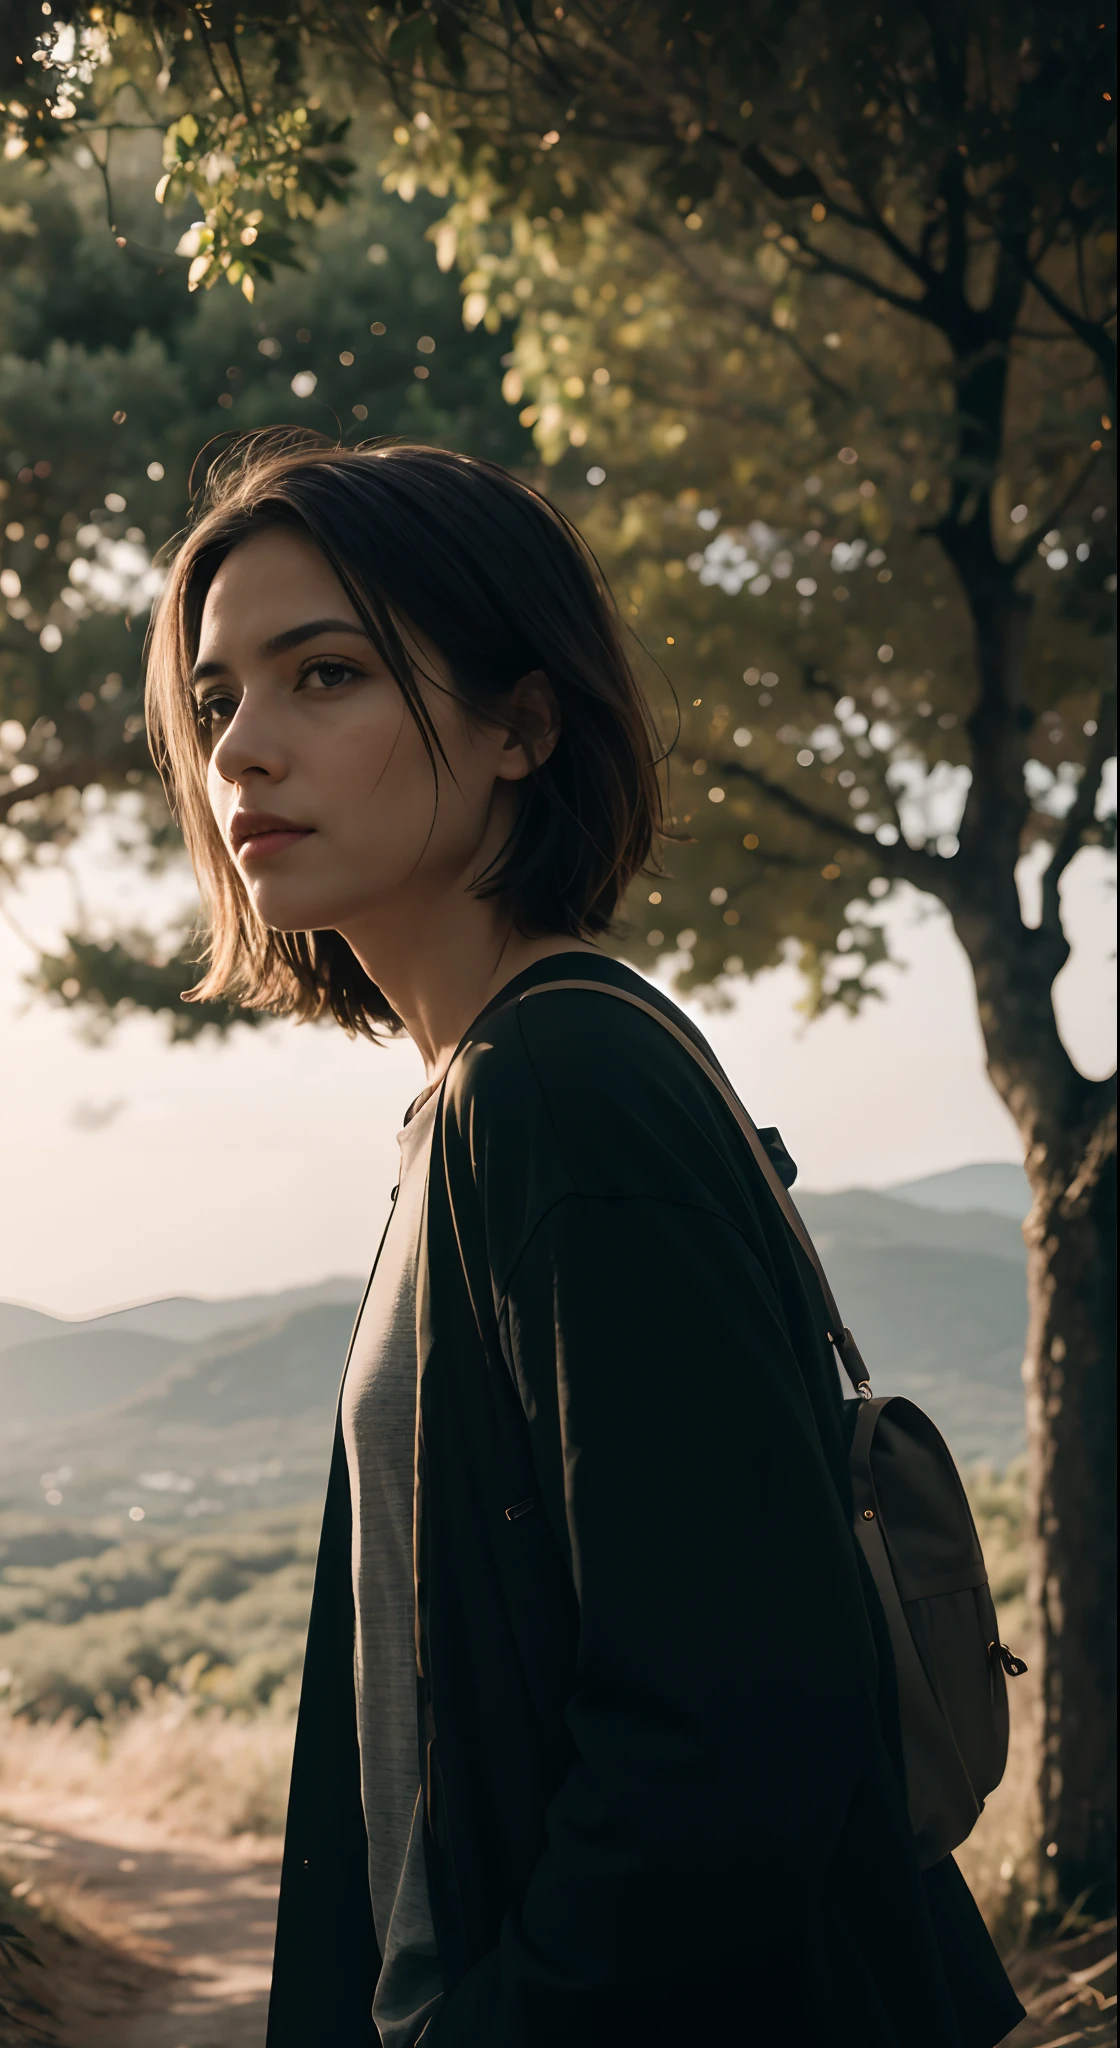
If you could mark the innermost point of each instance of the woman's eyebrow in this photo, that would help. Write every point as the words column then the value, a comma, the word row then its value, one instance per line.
column 280, row 644
column 295, row 635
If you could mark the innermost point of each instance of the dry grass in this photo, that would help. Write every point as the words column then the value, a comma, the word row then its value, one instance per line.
column 196, row 1770
column 193, row 1756
column 1069, row 1990
column 193, row 1770
column 997, row 1859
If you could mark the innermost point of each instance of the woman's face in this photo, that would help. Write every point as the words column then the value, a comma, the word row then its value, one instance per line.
column 318, row 776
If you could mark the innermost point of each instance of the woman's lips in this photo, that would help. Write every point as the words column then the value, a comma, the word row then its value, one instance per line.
column 264, row 845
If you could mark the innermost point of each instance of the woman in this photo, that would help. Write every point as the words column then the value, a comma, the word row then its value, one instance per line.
column 595, row 1743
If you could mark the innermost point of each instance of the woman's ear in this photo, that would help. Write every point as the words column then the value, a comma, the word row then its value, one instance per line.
column 533, row 726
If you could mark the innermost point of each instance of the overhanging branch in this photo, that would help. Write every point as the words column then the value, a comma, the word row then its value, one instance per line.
column 70, row 774
column 907, row 862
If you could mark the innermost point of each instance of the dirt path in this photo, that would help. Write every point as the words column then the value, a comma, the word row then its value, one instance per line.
column 158, row 1942
column 179, row 1930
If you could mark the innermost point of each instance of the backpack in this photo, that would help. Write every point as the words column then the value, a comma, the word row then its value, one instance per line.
column 915, row 1529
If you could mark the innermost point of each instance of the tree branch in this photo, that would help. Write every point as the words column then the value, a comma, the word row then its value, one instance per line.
column 805, row 184
column 1092, row 333
column 212, row 60
column 70, row 774
column 874, row 223
column 235, row 60
column 951, row 188
column 681, row 257
column 799, row 184
column 830, row 384
column 920, row 309
column 1027, row 546
column 910, row 863
column 1080, row 815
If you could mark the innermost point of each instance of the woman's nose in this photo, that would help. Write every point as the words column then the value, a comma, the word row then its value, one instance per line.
column 249, row 746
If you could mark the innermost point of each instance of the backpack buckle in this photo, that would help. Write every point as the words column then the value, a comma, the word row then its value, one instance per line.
column 1013, row 1665
column 847, row 1350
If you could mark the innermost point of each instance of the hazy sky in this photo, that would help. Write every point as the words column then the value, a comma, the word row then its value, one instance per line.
column 136, row 1169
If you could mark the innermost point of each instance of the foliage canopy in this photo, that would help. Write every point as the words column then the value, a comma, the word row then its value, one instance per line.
column 112, row 380
column 813, row 326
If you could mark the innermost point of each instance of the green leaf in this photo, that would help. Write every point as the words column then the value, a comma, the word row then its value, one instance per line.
column 413, row 39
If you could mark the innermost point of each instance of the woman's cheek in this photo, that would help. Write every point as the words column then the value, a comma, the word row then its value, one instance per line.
column 223, row 798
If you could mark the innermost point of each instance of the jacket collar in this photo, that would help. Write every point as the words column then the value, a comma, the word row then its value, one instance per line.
column 557, row 967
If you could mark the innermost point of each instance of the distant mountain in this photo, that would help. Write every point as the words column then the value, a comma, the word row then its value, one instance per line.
column 245, row 1417
column 157, row 1406
column 19, row 1324
column 193, row 1320
column 287, row 1367
column 186, row 1318
column 996, row 1186
column 937, row 1304
column 52, row 1377
column 861, row 1216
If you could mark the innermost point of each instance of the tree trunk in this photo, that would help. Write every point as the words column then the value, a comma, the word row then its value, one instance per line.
column 1068, row 1127
column 1070, row 1376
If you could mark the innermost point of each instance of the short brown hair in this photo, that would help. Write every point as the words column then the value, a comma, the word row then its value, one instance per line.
column 500, row 582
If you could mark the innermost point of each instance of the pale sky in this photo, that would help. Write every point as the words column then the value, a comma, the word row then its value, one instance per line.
column 135, row 1169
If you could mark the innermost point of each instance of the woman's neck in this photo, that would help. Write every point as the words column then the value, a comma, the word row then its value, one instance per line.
column 438, row 986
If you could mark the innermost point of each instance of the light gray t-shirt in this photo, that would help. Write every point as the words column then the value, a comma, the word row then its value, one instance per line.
column 379, row 1430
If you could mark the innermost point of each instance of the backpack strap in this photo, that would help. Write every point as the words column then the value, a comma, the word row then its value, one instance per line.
column 847, row 1350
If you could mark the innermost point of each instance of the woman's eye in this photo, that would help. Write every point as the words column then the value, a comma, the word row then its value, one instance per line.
column 330, row 673
column 211, row 710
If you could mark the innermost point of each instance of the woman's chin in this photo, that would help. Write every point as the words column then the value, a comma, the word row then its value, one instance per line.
column 286, row 911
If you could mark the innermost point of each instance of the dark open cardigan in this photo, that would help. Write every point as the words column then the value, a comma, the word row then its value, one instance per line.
column 663, row 1800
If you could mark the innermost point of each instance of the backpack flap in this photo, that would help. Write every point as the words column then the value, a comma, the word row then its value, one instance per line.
column 916, row 1531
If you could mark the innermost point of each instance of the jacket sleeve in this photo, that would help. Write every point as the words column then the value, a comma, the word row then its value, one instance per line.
column 722, row 1705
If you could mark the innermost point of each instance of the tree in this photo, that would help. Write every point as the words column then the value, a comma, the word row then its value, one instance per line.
column 865, row 257
column 112, row 379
